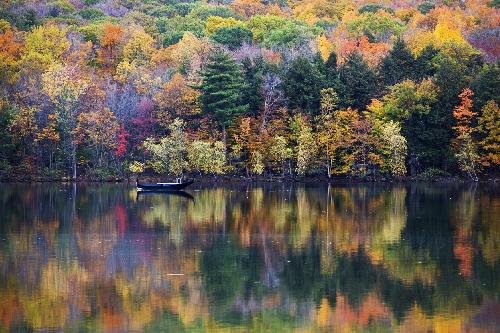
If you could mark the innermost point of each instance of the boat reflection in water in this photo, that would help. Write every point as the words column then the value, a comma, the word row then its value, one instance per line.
column 250, row 258
column 182, row 194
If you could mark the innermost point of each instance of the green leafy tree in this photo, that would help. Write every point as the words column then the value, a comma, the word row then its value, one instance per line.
column 395, row 146
column 376, row 26
column 169, row 155
column 207, row 157
column 424, row 63
column 279, row 152
column 222, row 89
column 486, row 86
column 489, row 133
column 233, row 37
column 358, row 82
column 305, row 149
column 398, row 65
column 253, row 76
column 302, row 85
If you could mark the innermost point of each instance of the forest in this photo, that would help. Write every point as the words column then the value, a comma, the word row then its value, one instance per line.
column 105, row 89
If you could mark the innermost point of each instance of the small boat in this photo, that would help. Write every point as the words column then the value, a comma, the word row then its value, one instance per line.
column 177, row 186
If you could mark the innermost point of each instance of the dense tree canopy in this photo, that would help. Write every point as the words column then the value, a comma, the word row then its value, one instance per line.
column 260, row 87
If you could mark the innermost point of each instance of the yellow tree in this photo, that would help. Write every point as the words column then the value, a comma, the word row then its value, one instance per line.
column 395, row 147
column 216, row 22
column 23, row 127
column 140, row 48
column 326, row 129
column 99, row 129
column 65, row 85
column 189, row 54
column 44, row 46
column 248, row 8
column 49, row 137
column 177, row 99
column 306, row 148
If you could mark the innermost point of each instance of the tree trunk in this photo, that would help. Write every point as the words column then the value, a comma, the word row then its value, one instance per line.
column 73, row 160
column 224, row 137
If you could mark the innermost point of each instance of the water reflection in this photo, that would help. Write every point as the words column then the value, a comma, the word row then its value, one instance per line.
column 250, row 258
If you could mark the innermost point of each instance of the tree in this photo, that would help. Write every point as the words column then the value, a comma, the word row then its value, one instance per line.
column 305, row 149
column 464, row 144
column 253, row 72
column 302, row 84
column 358, row 82
column 214, row 23
column 140, row 48
column 23, row 127
column 395, row 146
column 110, row 43
column 486, row 86
column 489, row 135
column 10, row 52
column 99, row 129
column 65, row 85
column 407, row 98
column 378, row 26
column 221, row 88
column 398, row 65
column 273, row 96
column 326, row 131
column 207, row 157
column 169, row 155
column 279, row 152
column 413, row 105
column 49, row 137
column 233, row 37
column 44, row 46
column 177, row 99
column 331, row 72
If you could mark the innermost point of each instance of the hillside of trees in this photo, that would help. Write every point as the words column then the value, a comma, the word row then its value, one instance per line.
column 102, row 89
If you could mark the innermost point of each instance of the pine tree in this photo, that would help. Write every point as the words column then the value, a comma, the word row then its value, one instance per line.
column 222, row 87
column 397, row 65
column 358, row 81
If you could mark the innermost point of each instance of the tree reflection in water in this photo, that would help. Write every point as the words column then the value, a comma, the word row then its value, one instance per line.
column 250, row 258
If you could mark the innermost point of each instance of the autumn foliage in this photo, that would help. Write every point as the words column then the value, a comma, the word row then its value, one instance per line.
column 344, row 88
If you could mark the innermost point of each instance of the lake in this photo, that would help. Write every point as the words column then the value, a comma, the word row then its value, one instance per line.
column 250, row 258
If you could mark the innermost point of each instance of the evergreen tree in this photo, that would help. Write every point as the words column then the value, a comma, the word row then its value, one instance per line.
column 331, row 72
column 302, row 85
column 397, row 65
column 253, row 72
column 486, row 86
column 424, row 63
column 358, row 81
column 222, row 86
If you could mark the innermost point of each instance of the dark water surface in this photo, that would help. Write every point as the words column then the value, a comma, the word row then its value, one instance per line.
column 250, row 258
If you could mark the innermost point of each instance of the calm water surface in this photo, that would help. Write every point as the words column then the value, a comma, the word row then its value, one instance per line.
column 250, row 258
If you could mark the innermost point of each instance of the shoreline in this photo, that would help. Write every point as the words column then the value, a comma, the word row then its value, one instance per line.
column 205, row 179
